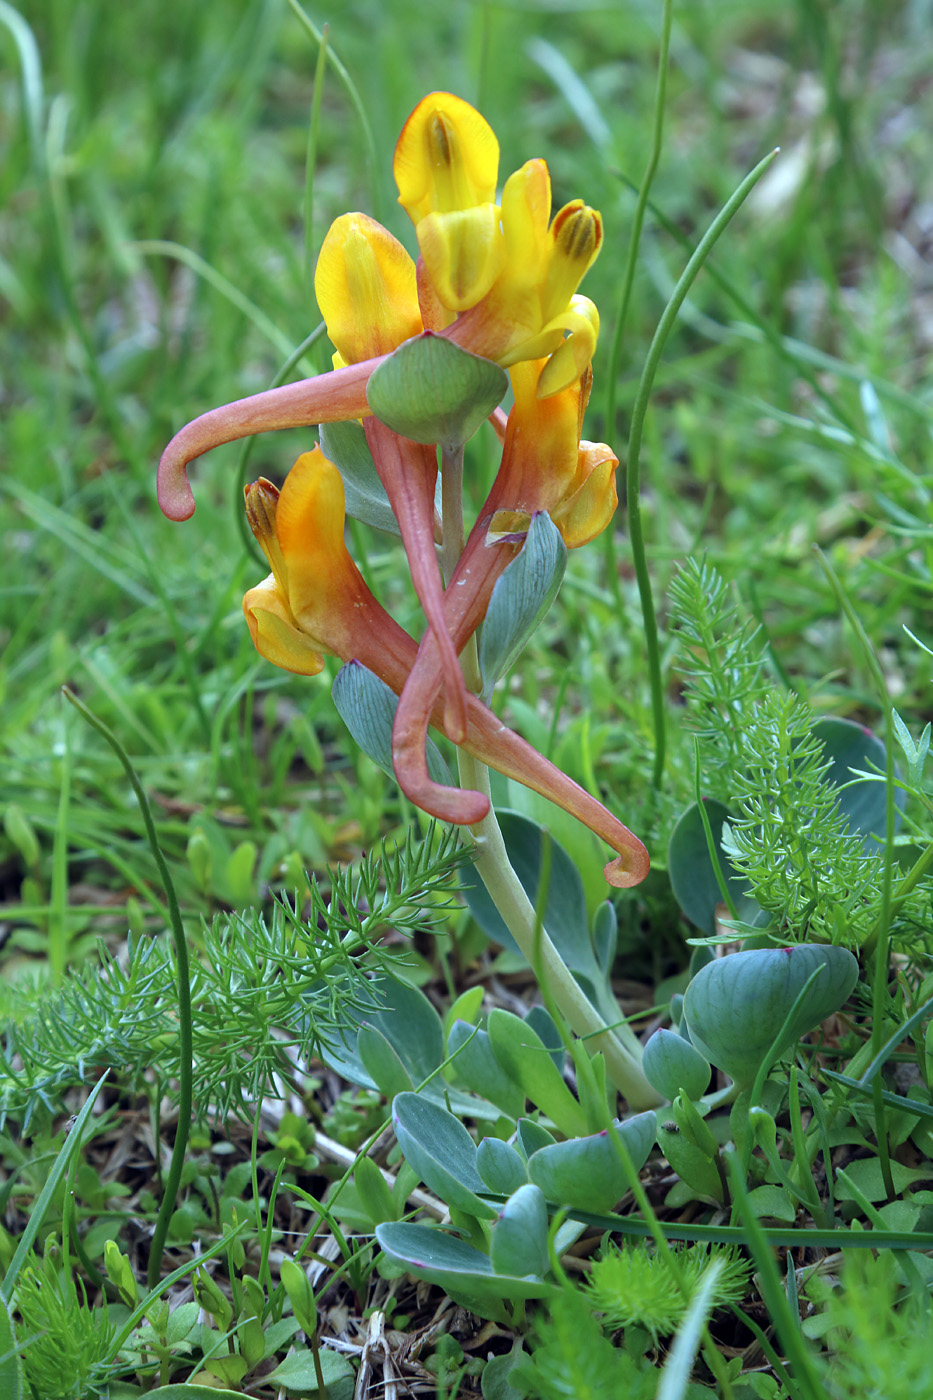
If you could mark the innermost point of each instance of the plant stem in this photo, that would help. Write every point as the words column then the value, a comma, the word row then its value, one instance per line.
column 507, row 893
column 623, row 1061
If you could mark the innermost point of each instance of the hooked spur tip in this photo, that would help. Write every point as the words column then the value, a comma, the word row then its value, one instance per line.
column 629, row 868
column 176, row 499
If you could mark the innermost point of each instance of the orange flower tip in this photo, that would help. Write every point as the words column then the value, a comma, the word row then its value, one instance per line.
column 629, row 868
column 261, row 499
column 578, row 233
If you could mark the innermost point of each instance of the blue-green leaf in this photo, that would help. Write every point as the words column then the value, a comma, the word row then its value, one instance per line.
column 441, row 1151
column 345, row 445
column 521, row 599
column 367, row 707
column 586, row 1173
column 451, row 1262
column 518, row 1243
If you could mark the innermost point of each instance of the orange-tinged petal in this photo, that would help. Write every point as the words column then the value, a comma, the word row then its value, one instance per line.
column 447, row 158
column 585, row 512
column 576, row 234
column 275, row 633
column 323, row 581
column 367, row 289
column 540, row 456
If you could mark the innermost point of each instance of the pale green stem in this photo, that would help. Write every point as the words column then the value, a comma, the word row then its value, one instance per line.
column 623, row 1065
column 623, row 1061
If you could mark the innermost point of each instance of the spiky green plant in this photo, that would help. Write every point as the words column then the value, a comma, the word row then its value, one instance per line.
column 634, row 1286
column 65, row 1341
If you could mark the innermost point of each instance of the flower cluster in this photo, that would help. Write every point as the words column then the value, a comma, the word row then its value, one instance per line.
column 498, row 280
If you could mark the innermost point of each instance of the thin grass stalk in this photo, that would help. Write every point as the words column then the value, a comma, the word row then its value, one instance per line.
column 631, row 261
column 185, row 1035
column 633, row 464
column 310, row 166
column 353, row 93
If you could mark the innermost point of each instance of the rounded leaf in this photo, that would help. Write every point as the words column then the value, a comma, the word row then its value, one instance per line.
column 441, row 1151
column 853, row 747
column 476, row 1066
column 586, row 1173
column 530, row 1137
column 735, row 1006
column 452, row 1263
column 672, row 1065
column 693, row 878
column 500, row 1166
column 518, row 1243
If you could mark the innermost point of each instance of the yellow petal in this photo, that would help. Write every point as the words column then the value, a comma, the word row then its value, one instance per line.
column 572, row 358
column 585, row 512
column 576, row 235
column 463, row 253
column 367, row 289
column 526, row 209
column 447, row 158
column 275, row 634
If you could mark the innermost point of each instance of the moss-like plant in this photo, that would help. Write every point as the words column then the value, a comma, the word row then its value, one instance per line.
column 634, row 1286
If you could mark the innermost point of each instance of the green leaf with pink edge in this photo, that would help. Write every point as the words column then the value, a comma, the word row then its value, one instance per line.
column 439, row 1148
column 586, row 1173
column 736, row 1006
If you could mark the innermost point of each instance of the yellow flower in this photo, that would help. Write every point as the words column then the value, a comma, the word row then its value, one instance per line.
column 546, row 467
column 533, row 309
column 315, row 600
column 446, row 164
column 508, row 274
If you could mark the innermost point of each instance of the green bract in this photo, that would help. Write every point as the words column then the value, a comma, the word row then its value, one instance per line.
column 736, row 1007
column 431, row 391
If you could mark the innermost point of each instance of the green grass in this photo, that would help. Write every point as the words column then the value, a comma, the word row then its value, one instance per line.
column 793, row 406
